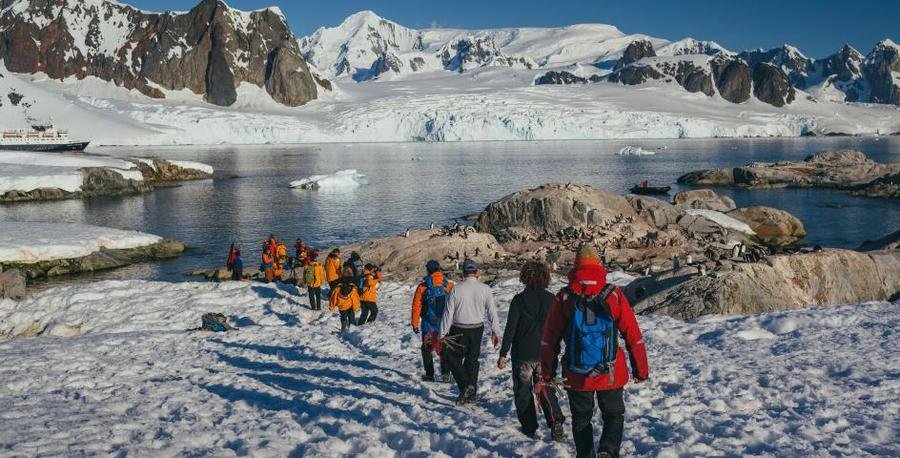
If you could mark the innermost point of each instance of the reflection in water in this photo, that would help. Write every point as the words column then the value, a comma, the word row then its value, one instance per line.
column 250, row 197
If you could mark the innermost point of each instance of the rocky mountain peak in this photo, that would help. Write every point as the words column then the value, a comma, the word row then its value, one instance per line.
column 636, row 51
column 209, row 50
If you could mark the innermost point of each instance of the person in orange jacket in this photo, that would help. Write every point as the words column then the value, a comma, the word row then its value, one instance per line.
column 333, row 268
column 314, row 277
column 369, row 297
column 427, row 311
column 268, row 266
column 345, row 299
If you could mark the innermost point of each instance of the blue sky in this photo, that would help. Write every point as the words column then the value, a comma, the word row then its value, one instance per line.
column 818, row 28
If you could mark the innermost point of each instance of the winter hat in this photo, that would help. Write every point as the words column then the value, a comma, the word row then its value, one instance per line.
column 587, row 252
column 432, row 266
column 314, row 254
column 469, row 266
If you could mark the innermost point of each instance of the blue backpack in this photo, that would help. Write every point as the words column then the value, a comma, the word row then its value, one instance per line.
column 433, row 303
column 593, row 337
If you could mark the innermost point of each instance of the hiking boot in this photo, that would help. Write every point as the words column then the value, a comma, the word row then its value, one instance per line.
column 605, row 455
column 445, row 378
column 428, row 378
column 466, row 397
column 557, row 432
column 529, row 434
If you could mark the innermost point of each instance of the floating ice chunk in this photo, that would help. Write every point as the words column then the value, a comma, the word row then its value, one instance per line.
column 344, row 179
column 635, row 151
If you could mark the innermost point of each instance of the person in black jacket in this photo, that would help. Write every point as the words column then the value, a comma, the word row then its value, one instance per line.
column 524, row 327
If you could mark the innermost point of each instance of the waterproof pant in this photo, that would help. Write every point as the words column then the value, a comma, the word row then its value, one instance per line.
column 369, row 312
column 612, row 411
column 525, row 374
column 315, row 298
column 431, row 343
column 348, row 318
column 463, row 355
column 237, row 274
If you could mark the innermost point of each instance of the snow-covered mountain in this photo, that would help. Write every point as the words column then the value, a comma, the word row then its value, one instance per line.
column 366, row 46
column 210, row 50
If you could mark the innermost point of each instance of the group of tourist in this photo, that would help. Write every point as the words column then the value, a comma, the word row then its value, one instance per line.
column 352, row 284
column 589, row 314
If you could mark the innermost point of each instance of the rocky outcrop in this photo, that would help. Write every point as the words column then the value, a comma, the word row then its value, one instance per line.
column 771, row 85
column 105, row 182
column 881, row 68
column 888, row 242
column 561, row 77
column 886, row 187
column 703, row 199
column 12, row 285
column 733, row 79
column 846, row 169
column 773, row 226
column 208, row 50
column 783, row 282
column 635, row 74
column 635, row 51
column 386, row 62
column 694, row 79
column 549, row 209
column 785, row 58
column 657, row 212
column 104, row 259
column 404, row 258
column 478, row 51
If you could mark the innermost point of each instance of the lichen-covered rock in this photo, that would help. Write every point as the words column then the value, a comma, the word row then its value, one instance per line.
column 703, row 199
column 773, row 226
column 785, row 282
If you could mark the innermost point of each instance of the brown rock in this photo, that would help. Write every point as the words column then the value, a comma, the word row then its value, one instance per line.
column 12, row 285
column 771, row 85
column 773, row 226
column 733, row 79
column 703, row 199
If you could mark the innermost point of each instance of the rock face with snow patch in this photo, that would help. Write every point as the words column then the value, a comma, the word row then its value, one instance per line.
column 480, row 51
column 784, row 282
column 787, row 58
column 561, row 77
column 635, row 51
column 771, row 85
column 733, row 79
column 882, row 70
column 209, row 50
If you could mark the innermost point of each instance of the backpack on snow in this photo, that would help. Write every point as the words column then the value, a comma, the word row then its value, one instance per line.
column 593, row 337
column 215, row 322
column 434, row 301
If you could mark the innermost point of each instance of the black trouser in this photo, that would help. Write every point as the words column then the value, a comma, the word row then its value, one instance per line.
column 369, row 312
column 430, row 345
column 525, row 374
column 612, row 410
column 237, row 274
column 348, row 318
column 315, row 298
column 332, row 285
column 463, row 354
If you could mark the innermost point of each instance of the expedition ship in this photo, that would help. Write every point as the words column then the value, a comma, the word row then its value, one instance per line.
column 40, row 137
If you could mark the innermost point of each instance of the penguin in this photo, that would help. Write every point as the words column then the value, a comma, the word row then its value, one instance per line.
column 702, row 270
column 432, row 226
column 690, row 260
column 407, row 232
column 736, row 251
column 676, row 263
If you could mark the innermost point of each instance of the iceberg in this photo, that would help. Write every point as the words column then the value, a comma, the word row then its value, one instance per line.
column 635, row 151
column 341, row 180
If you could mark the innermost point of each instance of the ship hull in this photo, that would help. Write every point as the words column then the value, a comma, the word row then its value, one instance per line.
column 48, row 148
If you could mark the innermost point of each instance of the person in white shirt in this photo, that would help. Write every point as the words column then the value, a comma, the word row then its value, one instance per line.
column 470, row 305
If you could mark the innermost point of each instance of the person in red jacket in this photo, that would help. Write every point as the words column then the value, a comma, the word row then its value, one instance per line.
column 588, row 278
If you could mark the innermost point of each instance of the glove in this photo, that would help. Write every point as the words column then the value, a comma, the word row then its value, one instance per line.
column 416, row 330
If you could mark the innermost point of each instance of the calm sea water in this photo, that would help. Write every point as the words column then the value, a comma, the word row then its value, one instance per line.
column 412, row 185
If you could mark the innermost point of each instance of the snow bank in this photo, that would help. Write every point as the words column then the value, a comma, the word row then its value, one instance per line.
column 342, row 180
column 27, row 171
column 190, row 165
column 35, row 242
column 635, row 151
column 132, row 380
column 723, row 220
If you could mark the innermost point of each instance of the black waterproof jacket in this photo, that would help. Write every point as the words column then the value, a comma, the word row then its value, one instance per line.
column 525, row 324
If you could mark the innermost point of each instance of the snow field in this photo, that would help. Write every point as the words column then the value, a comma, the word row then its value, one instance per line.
column 131, row 380
column 34, row 242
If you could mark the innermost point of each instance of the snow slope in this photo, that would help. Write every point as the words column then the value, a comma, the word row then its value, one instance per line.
column 123, row 376
column 33, row 242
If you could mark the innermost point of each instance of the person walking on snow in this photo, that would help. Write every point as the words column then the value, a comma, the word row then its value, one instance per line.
column 524, row 326
column 590, row 314
column 314, row 277
column 428, row 306
column 345, row 299
column 369, row 297
column 333, row 268
column 470, row 304
column 237, row 267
